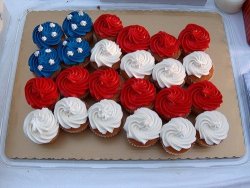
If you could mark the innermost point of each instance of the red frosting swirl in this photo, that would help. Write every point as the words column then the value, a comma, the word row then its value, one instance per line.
column 205, row 96
column 194, row 38
column 132, row 38
column 104, row 84
column 41, row 93
column 137, row 93
column 108, row 25
column 73, row 82
column 173, row 102
column 164, row 44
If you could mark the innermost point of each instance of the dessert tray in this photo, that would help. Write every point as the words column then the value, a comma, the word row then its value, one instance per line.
column 87, row 146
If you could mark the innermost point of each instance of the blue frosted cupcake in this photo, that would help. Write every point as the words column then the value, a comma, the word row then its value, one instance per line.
column 48, row 34
column 45, row 63
column 74, row 51
column 78, row 24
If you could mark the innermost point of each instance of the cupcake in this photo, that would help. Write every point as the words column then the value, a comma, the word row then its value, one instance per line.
column 47, row 35
column 78, row 24
column 73, row 82
column 198, row 66
column 132, row 38
column 143, row 128
column 40, row 126
column 164, row 45
column 45, row 63
column 173, row 102
column 74, row 51
column 137, row 93
column 169, row 72
column 105, row 118
column 177, row 136
column 72, row 114
column 105, row 84
column 212, row 128
column 105, row 54
column 194, row 38
column 138, row 64
column 107, row 26
column 41, row 93
column 205, row 96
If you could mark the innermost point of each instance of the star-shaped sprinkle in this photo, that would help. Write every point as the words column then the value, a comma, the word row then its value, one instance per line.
column 54, row 34
column 83, row 23
column 44, row 38
column 52, row 25
column 70, row 53
column 80, row 13
column 51, row 62
column 78, row 40
column 40, row 28
column 79, row 50
column 48, row 50
column 69, row 16
column 40, row 67
column 64, row 43
column 74, row 26
column 36, row 53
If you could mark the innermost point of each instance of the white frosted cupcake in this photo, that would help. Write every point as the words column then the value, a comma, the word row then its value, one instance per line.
column 143, row 127
column 177, row 136
column 199, row 67
column 212, row 128
column 138, row 64
column 40, row 126
column 105, row 118
column 72, row 115
column 105, row 53
column 169, row 72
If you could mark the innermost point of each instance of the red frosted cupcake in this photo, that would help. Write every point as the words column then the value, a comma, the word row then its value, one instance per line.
column 137, row 93
column 164, row 45
column 132, row 38
column 194, row 38
column 73, row 82
column 41, row 93
column 205, row 97
column 107, row 26
column 105, row 84
column 173, row 102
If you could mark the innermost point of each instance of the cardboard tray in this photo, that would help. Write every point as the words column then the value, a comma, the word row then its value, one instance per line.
column 87, row 146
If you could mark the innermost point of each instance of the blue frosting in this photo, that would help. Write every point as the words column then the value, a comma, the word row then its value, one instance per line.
column 47, row 34
column 44, row 62
column 73, row 51
column 77, row 24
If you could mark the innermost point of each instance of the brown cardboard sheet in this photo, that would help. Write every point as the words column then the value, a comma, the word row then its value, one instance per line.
column 87, row 146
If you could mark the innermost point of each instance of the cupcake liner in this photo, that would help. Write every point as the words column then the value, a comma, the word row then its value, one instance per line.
column 83, row 127
column 159, row 58
column 202, row 142
column 190, row 79
column 174, row 152
column 126, row 77
column 54, row 139
column 137, row 144
column 114, row 66
column 115, row 132
column 88, row 37
column 98, row 38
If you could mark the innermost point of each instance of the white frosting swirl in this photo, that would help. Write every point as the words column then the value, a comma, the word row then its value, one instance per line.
column 178, row 133
column 169, row 72
column 212, row 126
column 138, row 64
column 197, row 63
column 71, row 112
column 105, row 116
column 40, row 126
column 105, row 52
column 143, row 125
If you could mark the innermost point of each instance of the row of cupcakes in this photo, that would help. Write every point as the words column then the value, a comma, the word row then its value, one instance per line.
column 144, row 127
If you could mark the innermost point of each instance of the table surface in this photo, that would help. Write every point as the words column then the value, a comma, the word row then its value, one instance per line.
column 230, row 176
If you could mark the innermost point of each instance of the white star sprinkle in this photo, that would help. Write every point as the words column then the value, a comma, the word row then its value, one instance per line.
column 44, row 38
column 69, row 16
column 74, row 26
column 52, row 25
column 64, row 43
column 36, row 53
column 40, row 67
column 48, row 50
column 51, row 62
column 83, row 23
column 79, row 50
column 70, row 53
column 80, row 13
column 78, row 40
column 40, row 28
column 54, row 34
